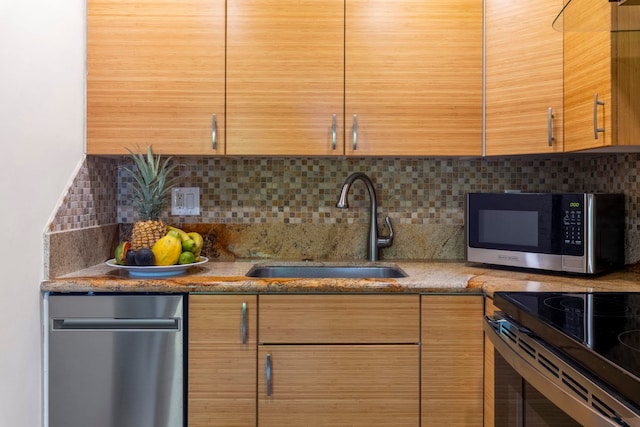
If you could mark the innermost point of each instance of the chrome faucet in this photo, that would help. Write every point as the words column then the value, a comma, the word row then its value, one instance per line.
column 374, row 241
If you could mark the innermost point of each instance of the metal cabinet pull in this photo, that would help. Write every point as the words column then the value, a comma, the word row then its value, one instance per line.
column 334, row 132
column 550, row 126
column 213, row 131
column 268, row 373
column 355, row 132
column 109, row 324
column 244, row 323
column 596, row 129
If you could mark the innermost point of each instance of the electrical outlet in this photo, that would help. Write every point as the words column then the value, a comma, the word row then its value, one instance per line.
column 185, row 201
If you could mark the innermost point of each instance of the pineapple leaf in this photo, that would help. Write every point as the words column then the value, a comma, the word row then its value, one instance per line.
column 151, row 183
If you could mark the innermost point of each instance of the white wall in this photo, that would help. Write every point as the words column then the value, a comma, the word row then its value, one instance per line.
column 42, row 55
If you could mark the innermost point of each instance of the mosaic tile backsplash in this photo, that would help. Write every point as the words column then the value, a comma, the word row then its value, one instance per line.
column 413, row 192
column 91, row 199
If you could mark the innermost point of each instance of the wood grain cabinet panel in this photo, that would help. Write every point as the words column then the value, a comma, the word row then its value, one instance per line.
column 603, row 63
column 331, row 319
column 339, row 360
column 155, row 75
column 452, row 360
column 221, row 368
column 524, row 60
column 489, row 380
column 285, row 77
column 410, row 72
column 413, row 77
column 339, row 385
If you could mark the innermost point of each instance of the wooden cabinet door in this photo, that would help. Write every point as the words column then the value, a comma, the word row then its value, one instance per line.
column 603, row 63
column 627, row 78
column 339, row 360
column 452, row 360
column 489, row 379
column 413, row 77
column 285, row 77
column 221, row 367
column 155, row 75
column 523, row 78
column 339, row 385
column 587, row 72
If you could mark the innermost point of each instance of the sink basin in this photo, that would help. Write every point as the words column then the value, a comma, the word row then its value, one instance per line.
column 326, row 271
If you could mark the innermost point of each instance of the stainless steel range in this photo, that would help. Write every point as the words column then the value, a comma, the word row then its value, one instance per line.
column 580, row 352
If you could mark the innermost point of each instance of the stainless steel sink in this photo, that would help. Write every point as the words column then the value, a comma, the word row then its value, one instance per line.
column 326, row 271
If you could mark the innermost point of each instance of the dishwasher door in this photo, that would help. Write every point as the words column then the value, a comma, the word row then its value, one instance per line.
column 114, row 361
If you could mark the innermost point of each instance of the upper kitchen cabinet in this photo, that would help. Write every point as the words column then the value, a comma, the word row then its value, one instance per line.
column 524, row 105
column 413, row 77
column 155, row 75
column 601, row 75
column 285, row 77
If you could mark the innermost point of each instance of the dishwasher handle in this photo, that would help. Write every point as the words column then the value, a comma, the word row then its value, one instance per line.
column 106, row 324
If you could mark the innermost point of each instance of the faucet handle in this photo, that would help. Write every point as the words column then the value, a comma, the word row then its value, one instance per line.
column 386, row 241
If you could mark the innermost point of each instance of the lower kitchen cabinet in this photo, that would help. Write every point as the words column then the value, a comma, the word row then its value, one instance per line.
column 338, row 385
column 339, row 360
column 335, row 360
column 452, row 360
column 489, row 379
column 222, row 360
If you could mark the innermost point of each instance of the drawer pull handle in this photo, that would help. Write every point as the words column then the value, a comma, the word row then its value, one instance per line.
column 550, row 126
column 268, row 374
column 596, row 129
column 213, row 131
column 355, row 132
column 244, row 323
column 334, row 132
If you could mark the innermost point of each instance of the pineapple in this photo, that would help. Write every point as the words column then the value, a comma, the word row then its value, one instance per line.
column 151, row 188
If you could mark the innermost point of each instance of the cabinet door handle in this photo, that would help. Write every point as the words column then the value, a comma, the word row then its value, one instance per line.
column 334, row 132
column 550, row 126
column 213, row 131
column 355, row 132
column 268, row 374
column 596, row 129
column 244, row 323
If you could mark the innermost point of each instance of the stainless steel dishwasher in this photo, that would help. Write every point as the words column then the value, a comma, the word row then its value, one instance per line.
column 113, row 360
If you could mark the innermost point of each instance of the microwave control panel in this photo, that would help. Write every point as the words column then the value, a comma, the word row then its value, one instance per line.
column 573, row 224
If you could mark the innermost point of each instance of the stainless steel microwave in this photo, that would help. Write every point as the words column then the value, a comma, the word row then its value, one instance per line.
column 571, row 232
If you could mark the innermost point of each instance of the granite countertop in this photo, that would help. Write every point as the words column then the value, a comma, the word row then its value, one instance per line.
column 423, row 277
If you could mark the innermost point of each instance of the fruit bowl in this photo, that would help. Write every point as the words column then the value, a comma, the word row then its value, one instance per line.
column 155, row 271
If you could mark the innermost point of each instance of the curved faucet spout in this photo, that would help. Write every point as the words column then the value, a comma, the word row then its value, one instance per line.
column 374, row 241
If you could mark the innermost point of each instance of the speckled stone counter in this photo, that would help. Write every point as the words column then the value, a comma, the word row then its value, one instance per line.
column 422, row 277
column 494, row 280
column 230, row 277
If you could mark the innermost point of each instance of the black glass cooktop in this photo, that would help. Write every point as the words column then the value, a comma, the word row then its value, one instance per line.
column 599, row 331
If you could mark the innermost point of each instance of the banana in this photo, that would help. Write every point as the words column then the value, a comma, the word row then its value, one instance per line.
column 180, row 234
column 199, row 242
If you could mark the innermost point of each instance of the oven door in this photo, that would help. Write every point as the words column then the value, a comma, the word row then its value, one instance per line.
column 536, row 386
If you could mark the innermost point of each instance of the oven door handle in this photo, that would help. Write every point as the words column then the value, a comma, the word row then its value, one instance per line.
column 495, row 322
column 542, row 380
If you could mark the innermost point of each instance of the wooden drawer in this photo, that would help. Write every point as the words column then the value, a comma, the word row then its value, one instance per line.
column 333, row 319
